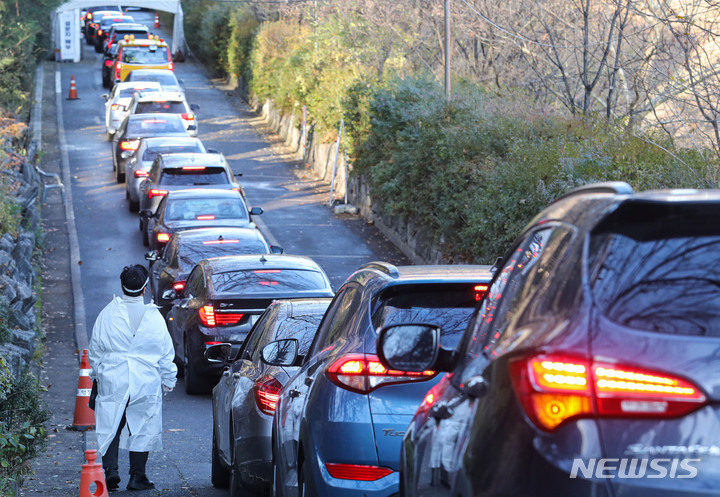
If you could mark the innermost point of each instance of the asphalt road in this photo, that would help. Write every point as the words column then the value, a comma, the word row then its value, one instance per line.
column 296, row 217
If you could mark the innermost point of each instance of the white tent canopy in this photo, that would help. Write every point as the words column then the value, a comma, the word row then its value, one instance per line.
column 66, row 23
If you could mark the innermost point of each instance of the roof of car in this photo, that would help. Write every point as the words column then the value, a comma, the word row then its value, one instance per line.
column 190, row 158
column 229, row 263
column 202, row 234
column 165, row 96
column 142, row 42
column 203, row 193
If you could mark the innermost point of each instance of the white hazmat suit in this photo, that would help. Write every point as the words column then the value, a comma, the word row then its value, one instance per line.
column 130, row 370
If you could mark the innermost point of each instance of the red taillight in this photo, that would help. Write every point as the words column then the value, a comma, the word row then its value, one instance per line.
column 357, row 471
column 188, row 117
column 141, row 174
column 163, row 237
column 154, row 192
column 117, row 107
column 118, row 66
column 267, row 392
column 193, row 168
column 129, row 145
column 219, row 242
column 480, row 291
column 210, row 318
column 554, row 388
column 178, row 286
column 212, row 343
column 205, row 217
column 171, row 66
column 363, row 373
column 99, row 32
column 108, row 63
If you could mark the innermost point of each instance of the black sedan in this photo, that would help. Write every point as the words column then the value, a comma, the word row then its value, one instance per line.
column 127, row 137
column 204, row 208
column 591, row 367
column 244, row 399
column 187, row 248
column 222, row 299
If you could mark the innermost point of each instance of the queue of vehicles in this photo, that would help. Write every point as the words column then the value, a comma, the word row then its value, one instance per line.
column 592, row 338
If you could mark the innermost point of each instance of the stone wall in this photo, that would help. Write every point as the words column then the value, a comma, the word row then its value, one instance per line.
column 17, row 275
column 407, row 235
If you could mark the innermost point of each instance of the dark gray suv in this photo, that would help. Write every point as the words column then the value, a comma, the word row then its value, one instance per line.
column 592, row 365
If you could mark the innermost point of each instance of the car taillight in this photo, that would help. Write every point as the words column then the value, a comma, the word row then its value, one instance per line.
column 210, row 318
column 357, row 471
column 219, row 242
column 205, row 217
column 171, row 66
column 188, row 117
column 163, row 237
column 117, row 107
column 363, row 373
column 553, row 389
column 178, row 286
column 141, row 174
column 129, row 145
column 108, row 63
column 480, row 291
column 154, row 192
column 193, row 168
column 267, row 392
column 99, row 32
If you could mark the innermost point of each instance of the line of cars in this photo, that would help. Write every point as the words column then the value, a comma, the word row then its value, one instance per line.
column 593, row 338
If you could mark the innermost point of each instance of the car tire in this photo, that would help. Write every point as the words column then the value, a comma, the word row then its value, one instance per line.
column 133, row 205
column 108, row 136
column 180, row 367
column 145, row 238
column 219, row 475
column 194, row 385
column 119, row 176
column 302, row 480
column 236, row 488
column 98, row 48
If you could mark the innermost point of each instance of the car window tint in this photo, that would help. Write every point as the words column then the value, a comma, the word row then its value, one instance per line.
column 204, row 208
column 267, row 281
column 145, row 126
column 301, row 326
column 263, row 327
column 160, row 107
column 344, row 312
column 208, row 176
column 448, row 306
column 129, row 92
column 666, row 285
column 145, row 55
column 195, row 283
column 191, row 253
column 151, row 152
column 162, row 78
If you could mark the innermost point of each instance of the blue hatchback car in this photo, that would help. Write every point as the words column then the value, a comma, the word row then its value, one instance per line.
column 340, row 420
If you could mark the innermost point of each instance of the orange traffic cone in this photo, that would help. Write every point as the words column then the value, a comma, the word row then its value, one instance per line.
column 84, row 418
column 157, row 20
column 92, row 474
column 73, row 89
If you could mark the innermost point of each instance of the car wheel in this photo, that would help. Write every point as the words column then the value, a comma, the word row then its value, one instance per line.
column 236, row 488
column 133, row 205
column 302, row 480
column 119, row 175
column 109, row 137
column 180, row 367
column 194, row 385
column 219, row 475
column 145, row 238
column 276, row 489
column 98, row 48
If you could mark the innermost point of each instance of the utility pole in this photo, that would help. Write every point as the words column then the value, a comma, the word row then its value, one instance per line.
column 447, row 49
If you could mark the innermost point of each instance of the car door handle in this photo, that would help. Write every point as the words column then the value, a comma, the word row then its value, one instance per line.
column 294, row 393
column 308, row 381
column 441, row 411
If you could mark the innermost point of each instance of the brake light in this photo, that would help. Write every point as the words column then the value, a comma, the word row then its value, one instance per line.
column 163, row 237
column 99, row 32
column 118, row 66
column 480, row 291
column 171, row 66
column 188, row 117
column 364, row 373
column 154, row 192
column 267, row 392
column 117, row 107
column 205, row 217
column 210, row 318
column 357, row 471
column 141, row 174
column 553, row 389
column 219, row 242
column 108, row 63
column 178, row 286
column 193, row 168
column 129, row 145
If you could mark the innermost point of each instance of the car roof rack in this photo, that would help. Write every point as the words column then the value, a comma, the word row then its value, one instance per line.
column 611, row 187
column 384, row 267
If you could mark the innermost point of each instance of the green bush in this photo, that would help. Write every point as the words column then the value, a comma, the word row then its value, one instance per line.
column 22, row 434
column 243, row 26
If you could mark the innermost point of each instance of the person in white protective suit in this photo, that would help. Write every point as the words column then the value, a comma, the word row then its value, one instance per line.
column 131, row 357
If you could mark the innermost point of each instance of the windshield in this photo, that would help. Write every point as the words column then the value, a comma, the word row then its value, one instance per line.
column 208, row 209
column 174, row 176
column 162, row 78
column 192, row 253
column 160, row 107
column 447, row 305
column 264, row 281
column 152, row 152
column 129, row 92
column 154, row 126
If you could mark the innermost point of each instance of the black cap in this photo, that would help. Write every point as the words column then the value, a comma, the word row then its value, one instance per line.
column 134, row 279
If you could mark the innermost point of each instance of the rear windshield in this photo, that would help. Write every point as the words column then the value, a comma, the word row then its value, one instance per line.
column 658, row 276
column 162, row 78
column 264, row 281
column 154, row 126
column 152, row 152
column 173, row 176
column 208, row 209
column 448, row 306
column 192, row 253
column 145, row 55
column 129, row 92
column 160, row 107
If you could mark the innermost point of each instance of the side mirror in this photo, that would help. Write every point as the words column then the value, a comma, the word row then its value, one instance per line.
column 256, row 211
column 280, row 352
column 274, row 249
column 152, row 256
column 192, row 127
column 219, row 352
column 237, row 175
column 194, row 107
column 409, row 347
column 212, row 151
column 105, row 96
column 170, row 294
